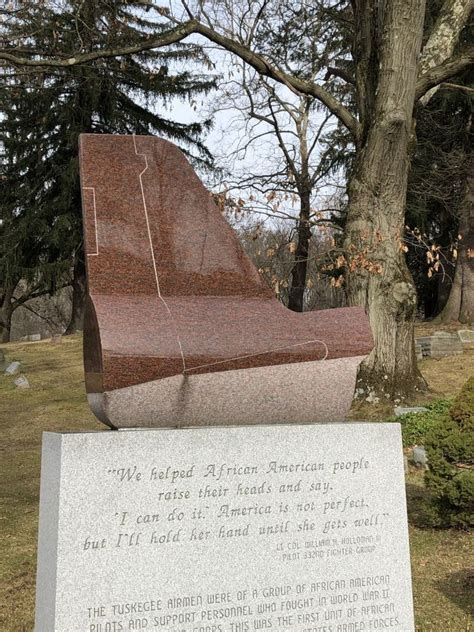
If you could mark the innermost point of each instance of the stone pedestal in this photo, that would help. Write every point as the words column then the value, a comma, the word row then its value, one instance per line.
column 294, row 528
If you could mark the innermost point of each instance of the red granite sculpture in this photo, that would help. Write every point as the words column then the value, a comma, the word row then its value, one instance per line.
column 180, row 329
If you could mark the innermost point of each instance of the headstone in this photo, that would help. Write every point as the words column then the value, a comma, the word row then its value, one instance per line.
column 419, row 457
column 30, row 338
column 467, row 338
column 283, row 527
column 444, row 343
column 423, row 347
column 400, row 410
column 13, row 368
column 21, row 382
column 418, row 350
column 2, row 360
column 56, row 339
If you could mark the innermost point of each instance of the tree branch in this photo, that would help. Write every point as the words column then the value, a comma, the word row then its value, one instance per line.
column 438, row 74
column 341, row 73
column 166, row 38
column 295, row 84
column 443, row 39
column 180, row 32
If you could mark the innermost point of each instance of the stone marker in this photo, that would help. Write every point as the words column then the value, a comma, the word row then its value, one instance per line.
column 288, row 527
column 30, row 338
column 467, row 338
column 400, row 410
column 2, row 360
column 56, row 339
column 13, row 368
column 21, row 382
column 423, row 347
column 466, row 335
column 444, row 343
column 419, row 457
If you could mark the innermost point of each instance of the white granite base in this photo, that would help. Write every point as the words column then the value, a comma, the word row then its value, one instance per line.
column 297, row 528
column 302, row 392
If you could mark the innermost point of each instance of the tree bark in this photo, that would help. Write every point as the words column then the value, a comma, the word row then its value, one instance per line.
column 460, row 304
column 378, row 277
column 5, row 324
column 6, row 313
column 444, row 37
column 298, row 274
column 78, row 296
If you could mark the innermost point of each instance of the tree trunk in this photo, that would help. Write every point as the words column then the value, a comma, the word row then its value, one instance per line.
column 5, row 325
column 6, row 313
column 78, row 296
column 378, row 277
column 460, row 304
column 298, row 274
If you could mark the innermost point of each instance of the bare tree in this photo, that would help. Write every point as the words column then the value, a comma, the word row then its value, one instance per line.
column 395, row 65
column 285, row 133
column 288, row 173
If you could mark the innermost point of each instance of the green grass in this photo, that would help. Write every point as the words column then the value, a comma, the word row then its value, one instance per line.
column 442, row 581
column 416, row 426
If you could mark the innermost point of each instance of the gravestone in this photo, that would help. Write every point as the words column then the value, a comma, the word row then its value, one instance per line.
column 408, row 410
column 467, row 338
column 444, row 343
column 293, row 527
column 2, row 360
column 21, row 382
column 13, row 368
column 423, row 347
column 466, row 335
column 31, row 338
column 420, row 458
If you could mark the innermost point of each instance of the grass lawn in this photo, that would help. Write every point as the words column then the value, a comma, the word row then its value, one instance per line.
column 443, row 586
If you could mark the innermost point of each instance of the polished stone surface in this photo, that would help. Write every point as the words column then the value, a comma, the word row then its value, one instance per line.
column 290, row 528
column 172, row 293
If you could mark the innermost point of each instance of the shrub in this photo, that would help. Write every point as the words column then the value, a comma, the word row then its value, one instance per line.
column 415, row 426
column 450, row 449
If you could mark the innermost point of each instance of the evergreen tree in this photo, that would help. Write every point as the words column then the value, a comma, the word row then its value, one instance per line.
column 43, row 114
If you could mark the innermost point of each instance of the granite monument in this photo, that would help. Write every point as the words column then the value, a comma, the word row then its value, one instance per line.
column 180, row 328
column 219, row 505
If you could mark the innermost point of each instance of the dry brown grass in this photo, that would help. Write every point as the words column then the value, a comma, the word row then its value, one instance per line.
column 56, row 401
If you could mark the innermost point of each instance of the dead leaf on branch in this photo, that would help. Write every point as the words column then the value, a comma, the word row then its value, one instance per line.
column 337, row 281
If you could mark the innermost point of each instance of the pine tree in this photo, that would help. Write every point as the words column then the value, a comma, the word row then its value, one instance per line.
column 43, row 114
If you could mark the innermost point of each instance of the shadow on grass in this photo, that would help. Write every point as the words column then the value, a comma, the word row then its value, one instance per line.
column 419, row 506
column 459, row 588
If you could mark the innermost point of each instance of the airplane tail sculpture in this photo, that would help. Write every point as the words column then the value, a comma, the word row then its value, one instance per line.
column 180, row 329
